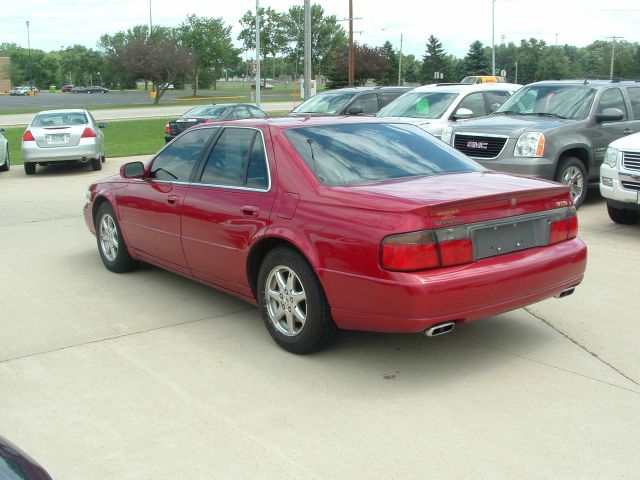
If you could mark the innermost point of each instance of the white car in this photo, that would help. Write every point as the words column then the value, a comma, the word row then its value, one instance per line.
column 433, row 107
column 620, row 179
column 55, row 136
column 4, row 152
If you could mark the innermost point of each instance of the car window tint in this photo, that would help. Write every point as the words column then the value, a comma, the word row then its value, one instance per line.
column 257, row 171
column 495, row 99
column 176, row 161
column 56, row 119
column 612, row 98
column 368, row 103
column 351, row 154
column 634, row 97
column 475, row 103
column 228, row 161
column 385, row 98
column 331, row 103
column 256, row 112
column 419, row 105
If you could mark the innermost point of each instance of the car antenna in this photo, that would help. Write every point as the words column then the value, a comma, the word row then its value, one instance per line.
column 313, row 157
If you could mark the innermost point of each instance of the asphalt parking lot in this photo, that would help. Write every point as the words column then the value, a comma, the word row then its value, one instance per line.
column 148, row 375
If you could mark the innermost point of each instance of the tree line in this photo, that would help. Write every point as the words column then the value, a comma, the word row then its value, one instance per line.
column 201, row 50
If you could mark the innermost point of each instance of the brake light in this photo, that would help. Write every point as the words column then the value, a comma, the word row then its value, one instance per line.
column 564, row 226
column 455, row 252
column 167, row 128
column 28, row 137
column 88, row 133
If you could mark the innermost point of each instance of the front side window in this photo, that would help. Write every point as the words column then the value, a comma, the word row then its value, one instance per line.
column 175, row 163
column 419, row 105
column 366, row 104
column 238, row 159
column 329, row 103
column 475, row 103
column 496, row 98
column 612, row 98
column 351, row 154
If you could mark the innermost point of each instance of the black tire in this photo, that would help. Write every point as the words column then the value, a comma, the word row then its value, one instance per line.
column 96, row 164
column 7, row 162
column 103, row 158
column 572, row 172
column 307, row 298
column 30, row 168
column 111, row 246
column 622, row 216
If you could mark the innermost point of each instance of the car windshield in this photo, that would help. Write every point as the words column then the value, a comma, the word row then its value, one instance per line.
column 563, row 101
column 330, row 103
column 58, row 119
column 352, row 154
column 205, row 111
column 419, row 105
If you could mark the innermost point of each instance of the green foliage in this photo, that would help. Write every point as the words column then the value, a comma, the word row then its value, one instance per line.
column 434, row 60
column 476, row 61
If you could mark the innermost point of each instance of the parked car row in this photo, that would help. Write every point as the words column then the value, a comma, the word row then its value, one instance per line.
column 24, row 90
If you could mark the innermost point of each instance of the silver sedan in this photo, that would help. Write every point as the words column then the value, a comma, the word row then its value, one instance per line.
column 4, row 152
column 56, row 136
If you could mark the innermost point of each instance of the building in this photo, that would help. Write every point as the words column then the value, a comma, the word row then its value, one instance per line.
column 5, row 81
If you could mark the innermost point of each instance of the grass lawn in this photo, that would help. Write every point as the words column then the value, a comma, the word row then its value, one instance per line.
column 123, row 138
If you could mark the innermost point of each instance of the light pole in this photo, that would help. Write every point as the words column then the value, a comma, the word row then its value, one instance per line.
column 493, row 34
column 400, row 64
column 30, row 68
column 257, row 68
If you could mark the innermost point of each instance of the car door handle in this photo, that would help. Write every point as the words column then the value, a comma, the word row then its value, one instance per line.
column 173, row 199
column 250, row 211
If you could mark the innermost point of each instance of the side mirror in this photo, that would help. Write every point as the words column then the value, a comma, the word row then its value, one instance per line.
column 463, row 114
column 355, row 111
column 610, row 115
column 1, row 130
column 102, row 125
column 132, row 170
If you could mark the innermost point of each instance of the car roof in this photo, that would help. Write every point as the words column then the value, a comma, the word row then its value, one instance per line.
column 467, row 87
column 285, row 123
column 586, row 81
column 365, row 89
column 64, row 110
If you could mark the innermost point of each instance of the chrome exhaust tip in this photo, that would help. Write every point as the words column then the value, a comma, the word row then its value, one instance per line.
column 566, row 292
column 439, row 329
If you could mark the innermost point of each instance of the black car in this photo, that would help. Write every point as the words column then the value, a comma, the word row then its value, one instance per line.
column 78, row 89
column 15, row 464
column 210, row 113
column 96, row 89
column 349, row 101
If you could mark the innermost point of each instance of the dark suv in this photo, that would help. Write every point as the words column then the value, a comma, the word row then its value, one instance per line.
column 558, row 130
column 349, row 101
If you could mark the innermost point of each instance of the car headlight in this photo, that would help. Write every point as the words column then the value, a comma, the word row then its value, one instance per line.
column 611, row 157
column 446, row 134
column 530, row 144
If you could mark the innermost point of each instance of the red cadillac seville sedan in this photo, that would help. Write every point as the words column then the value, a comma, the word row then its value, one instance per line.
column 349, row 223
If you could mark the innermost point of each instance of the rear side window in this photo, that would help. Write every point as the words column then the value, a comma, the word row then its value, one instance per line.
column 385, row 98
column 351, row 154
column 634, row 97
column 175, row 163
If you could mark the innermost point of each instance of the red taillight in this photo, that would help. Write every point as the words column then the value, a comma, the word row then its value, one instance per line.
column 167, row 129
column 455, row 252
column 410, row 251
column 28, row 137
column 88, row 133
column 564, row 227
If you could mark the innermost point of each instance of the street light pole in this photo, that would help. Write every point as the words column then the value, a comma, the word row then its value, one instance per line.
column 307, row 49
column 400, row 64
column 30, row 67
column 352, row 61
column 258, row 53
column 493, row 35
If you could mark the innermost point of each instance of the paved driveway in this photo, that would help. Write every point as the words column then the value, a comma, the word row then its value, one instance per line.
column 148, row 375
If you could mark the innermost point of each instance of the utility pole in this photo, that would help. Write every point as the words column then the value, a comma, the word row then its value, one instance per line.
column 613, row 53
column 352, row 60
column 493, row 36
column 258, row 53
column 150, row 20
column 307, row 49
column 400, row 64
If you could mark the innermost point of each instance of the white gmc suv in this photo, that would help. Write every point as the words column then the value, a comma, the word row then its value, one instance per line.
column 620, row 179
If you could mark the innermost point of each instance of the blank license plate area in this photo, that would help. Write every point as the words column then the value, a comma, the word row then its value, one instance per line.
column 57, row 138
column 509, row 237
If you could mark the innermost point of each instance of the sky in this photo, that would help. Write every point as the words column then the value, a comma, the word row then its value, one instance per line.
column 456, row 23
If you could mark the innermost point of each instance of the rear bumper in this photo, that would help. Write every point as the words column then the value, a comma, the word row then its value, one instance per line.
column 34, row 154
column 413, row 302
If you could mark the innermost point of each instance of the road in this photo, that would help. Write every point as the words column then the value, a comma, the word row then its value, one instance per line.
column 148, row 375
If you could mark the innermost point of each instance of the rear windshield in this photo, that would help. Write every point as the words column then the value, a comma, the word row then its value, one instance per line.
column 205, row 111
column 328, row 103
column 419, row 105
column 57, row 119
column 352, row 154
column 563, row 101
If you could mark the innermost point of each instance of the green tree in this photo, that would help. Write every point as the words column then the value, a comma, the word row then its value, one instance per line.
column 273, row 33
column 391, row 75
column 553, row 64
column 111, row 47
column 476, row 61
column 434, row 60
column 209, row 39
